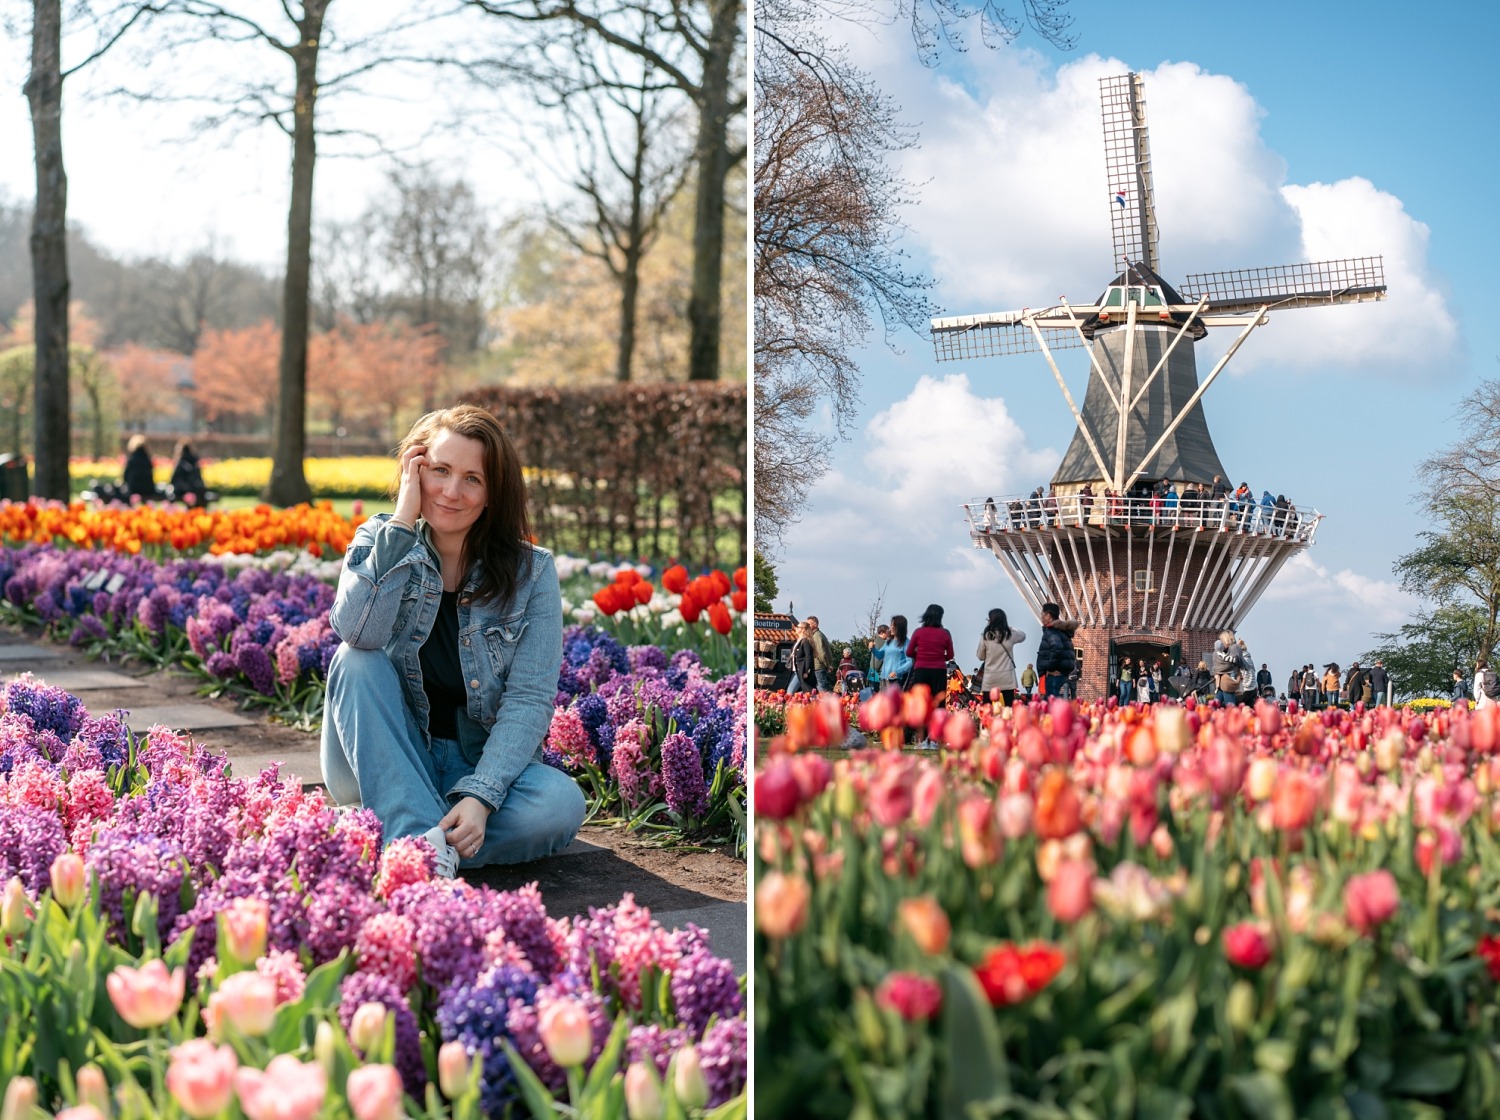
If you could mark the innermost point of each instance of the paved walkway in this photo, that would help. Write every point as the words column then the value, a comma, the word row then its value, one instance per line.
column 702, row 888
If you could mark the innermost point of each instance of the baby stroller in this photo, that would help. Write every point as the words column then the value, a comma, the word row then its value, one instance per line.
column 853, row 682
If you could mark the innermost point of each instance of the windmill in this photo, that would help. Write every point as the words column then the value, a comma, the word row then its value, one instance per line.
column 1147, row 571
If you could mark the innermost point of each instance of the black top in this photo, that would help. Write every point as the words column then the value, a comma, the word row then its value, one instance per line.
column 442, row 675
column 138, row 476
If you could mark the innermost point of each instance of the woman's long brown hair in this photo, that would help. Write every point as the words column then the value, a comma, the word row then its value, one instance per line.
column 499, row 539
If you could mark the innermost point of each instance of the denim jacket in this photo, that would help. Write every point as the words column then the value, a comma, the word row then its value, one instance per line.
column 511, row 652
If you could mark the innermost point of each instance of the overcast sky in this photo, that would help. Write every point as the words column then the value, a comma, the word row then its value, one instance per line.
column 148, row 180
column 1293, row 132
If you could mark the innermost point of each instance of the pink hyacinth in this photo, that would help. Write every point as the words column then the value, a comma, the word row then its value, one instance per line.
column 406, row 860
column 283, row 968
column 570, row 739
column 387, row 946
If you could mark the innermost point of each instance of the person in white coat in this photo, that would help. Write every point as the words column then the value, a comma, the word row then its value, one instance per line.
column 997, row 651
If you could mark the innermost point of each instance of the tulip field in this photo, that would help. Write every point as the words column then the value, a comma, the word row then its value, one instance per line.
column 180, row 940
column 1083, row 910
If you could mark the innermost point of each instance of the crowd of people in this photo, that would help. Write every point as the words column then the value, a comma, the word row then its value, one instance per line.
column 1213, row 505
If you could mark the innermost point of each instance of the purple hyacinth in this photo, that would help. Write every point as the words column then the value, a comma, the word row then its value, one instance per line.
column 51, row 709
column 255, row 663
column 704, row 987
column 30, row 839
column 656, row 1044
column 370, row 987
column 523, row 917
column 682, row 773
column 476, row 1014
column 724, row 1053
column 128, row 864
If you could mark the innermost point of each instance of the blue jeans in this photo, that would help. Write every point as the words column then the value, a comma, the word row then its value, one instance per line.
column 1226, row 698
column 824, row 677
column 1055, row 684
column 373, row 754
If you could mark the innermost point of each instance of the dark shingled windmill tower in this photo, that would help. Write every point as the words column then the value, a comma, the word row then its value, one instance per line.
column 1142, row 578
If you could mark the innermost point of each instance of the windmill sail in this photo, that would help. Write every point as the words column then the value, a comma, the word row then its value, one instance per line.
column 1310, row 284
column 1127, row 163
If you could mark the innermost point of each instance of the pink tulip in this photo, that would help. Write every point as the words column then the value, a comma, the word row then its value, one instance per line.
column 92, row 1087
column 891, row 795
column 1070, row 894
column 1371, row 899
column 879, row 711
column 453, row 1069
column 374, row 1093
column 926, row 921
column 20, row 1099
column 978, row 831
column 81, row 1112
column 286, row 1090
column 68, row 880
column 781, row 904
column 958, row 730
column 566, row 1032
column 244, row 923
column 909, row 995
column 1294, row 801
column 367, row 1026
column 15, row 909
column 147, row 996
column 247, row 1000
column 1247, row 945
column 687, row 1078
column 643, row 1099
column 927, row 794
column 1015, row 815
column 201, row 1077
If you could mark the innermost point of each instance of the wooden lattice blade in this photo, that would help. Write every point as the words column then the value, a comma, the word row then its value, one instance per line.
column 1309, row 284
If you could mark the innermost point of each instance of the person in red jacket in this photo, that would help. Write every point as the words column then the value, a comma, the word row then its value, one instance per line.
column 931, row 648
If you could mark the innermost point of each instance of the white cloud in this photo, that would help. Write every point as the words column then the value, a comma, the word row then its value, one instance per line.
column 1014, row 205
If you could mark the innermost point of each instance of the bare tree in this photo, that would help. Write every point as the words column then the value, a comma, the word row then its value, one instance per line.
column 624, row 119
column 711, row 31
column 876, row 614
column 827, row 208
column 49, row 227
column 826, row 204
column 437, row 241
column 306, row 40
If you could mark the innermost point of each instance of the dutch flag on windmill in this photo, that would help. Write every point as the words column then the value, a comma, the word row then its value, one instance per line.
column 1120, row 197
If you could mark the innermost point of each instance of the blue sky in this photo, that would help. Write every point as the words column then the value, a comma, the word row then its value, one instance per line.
column 1279, row 133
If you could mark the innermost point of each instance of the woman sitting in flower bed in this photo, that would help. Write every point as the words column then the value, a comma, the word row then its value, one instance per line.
column 440, row 697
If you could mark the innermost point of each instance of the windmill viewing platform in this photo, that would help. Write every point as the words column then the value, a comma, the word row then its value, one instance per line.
column 1141, row 576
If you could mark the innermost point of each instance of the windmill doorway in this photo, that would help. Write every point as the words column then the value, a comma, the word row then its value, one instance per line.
column 1140, row 649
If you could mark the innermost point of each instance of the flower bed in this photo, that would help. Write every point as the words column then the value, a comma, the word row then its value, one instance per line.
column 259, row 628
column 163, row 530
column 1081, row 909
column 282, row 928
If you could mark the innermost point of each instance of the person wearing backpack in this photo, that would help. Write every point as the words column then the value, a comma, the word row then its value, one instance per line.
column 1230, row 659
column 1054, row 656
column 1486, row 684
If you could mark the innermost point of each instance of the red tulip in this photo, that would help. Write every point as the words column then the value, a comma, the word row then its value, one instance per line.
column 718, row 618
column 675, row 579
column 776, row 791
column 741, row 579
column 1247, row 945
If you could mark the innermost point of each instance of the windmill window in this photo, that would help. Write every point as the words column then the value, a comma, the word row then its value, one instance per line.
column 1143, row 580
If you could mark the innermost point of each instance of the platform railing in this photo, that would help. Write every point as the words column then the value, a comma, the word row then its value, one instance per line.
column 988, row 516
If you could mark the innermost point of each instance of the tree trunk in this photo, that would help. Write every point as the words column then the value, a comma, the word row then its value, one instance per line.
column 49, row 252
column 288, row 485
column 712, row 158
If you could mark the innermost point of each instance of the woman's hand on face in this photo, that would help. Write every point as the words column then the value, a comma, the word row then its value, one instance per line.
column 409, row 497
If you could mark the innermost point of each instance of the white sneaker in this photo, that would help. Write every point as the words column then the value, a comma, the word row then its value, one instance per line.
column 445, row 862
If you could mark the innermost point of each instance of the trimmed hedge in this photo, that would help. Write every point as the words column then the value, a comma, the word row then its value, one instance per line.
column 631, row 468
